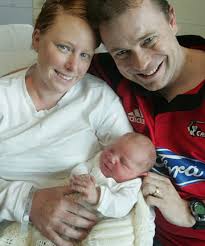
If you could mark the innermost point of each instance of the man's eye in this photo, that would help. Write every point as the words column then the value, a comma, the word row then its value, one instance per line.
column 121, row 53
column 149, row 41
column 63, row 48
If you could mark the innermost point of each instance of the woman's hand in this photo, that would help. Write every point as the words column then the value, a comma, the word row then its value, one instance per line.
column 160, row 192
column 59, row 217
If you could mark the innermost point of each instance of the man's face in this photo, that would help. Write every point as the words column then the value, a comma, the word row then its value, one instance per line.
column 143, row 45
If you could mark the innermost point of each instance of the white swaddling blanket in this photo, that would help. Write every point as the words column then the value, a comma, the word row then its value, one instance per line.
column 133, row 230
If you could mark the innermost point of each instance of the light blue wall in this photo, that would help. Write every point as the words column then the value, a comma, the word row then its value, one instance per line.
column 15, row 12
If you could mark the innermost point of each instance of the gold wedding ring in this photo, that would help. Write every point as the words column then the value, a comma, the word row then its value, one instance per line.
column 156, row 192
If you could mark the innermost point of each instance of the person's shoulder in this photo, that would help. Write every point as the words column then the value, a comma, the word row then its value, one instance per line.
column 103, row 57
column 9, row 79
column 104, row 62
column 92, row 80
column 10, row 86
column 103, row 66
column 99, row 87
column 192, row 41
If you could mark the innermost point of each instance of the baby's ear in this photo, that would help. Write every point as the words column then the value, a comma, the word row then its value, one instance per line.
column 144, row 174
column 93, row 179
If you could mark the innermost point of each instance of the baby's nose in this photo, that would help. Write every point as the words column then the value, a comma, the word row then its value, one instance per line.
column 113, row 159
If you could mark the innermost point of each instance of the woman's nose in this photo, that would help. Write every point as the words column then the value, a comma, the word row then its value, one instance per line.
column 72, row 63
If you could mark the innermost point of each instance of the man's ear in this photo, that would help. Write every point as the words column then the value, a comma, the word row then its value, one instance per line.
column 172, row 20
column 36, row 39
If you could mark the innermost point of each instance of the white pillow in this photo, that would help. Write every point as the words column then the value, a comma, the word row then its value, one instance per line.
column 15, row 47
column 15, row 37
column 11, row 61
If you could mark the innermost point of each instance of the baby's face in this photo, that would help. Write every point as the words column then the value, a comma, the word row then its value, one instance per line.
column 119, row 161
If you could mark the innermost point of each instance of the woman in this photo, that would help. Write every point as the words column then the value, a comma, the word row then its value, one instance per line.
column 52, row 116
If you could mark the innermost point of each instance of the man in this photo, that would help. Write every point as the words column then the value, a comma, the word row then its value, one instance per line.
column 162, row 86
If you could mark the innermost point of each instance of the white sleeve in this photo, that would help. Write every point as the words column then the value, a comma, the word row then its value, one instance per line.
column 112, row 120
column 13, row 197
column 86, row 167
column 81, row 168
column 118, row 204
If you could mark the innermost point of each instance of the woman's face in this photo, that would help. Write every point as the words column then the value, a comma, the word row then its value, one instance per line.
column 64, row 52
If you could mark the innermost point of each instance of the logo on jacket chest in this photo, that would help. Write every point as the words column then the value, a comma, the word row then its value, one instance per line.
column 197, row 128
column 182, row 169
column 136, row 116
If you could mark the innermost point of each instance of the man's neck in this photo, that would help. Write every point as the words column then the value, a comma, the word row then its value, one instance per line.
column 191, row 73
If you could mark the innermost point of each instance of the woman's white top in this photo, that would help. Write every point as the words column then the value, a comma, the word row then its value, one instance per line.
column 40, row 148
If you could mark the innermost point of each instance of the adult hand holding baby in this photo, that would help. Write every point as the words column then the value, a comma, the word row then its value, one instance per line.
column 59, row 217
column 167, row 200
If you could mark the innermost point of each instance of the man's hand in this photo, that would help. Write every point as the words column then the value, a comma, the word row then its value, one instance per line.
column 160, row 192
column 59, row 217
column 85, row 184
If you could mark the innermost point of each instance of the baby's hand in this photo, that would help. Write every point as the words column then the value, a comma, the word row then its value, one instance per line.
column 85, row 184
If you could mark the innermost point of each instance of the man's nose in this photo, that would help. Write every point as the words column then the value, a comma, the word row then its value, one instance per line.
column 140, row 60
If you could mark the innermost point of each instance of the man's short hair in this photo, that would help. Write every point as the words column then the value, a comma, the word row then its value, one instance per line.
column 105, row 10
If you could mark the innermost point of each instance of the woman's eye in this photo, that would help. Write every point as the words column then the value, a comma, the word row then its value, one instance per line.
column 63, row 48
column 86, row 56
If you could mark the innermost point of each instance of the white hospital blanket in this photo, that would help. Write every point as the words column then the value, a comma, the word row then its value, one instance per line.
column 132, row 230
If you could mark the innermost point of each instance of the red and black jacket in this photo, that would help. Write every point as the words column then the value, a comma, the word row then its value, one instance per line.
column 176, row 128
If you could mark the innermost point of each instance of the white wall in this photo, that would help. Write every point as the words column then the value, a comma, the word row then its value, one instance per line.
column 190, row 16
column 190, row 13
